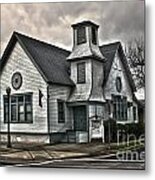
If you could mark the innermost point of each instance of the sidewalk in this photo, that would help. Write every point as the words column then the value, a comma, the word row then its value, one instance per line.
column 27, row 153
column 24, row 153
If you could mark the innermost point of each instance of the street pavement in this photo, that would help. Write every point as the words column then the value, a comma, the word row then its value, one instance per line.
column 96, row 156
column 88, row 163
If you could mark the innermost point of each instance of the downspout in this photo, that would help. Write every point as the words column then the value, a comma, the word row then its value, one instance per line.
column 48, row 114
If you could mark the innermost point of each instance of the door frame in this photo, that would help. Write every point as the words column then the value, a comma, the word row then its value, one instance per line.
column 86, row 122
column 81, row 103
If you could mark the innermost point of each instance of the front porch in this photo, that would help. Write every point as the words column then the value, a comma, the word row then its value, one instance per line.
column 86, row 123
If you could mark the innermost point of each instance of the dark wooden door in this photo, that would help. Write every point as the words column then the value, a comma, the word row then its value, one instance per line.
column 80, row 120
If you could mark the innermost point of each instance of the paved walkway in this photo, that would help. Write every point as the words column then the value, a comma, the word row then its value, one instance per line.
column 27, row 153
column 35, row 153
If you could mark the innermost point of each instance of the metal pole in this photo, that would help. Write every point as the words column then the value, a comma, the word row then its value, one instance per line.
column 8, row 91
column 109, row 128
column 109, row 139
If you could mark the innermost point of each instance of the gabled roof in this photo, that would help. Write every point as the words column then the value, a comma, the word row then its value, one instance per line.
column 109, row 52
column 49, row 60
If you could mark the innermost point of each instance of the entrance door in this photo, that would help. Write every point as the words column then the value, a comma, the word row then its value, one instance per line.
column 80, row 120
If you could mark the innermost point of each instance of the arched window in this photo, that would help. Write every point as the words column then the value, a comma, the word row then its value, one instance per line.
column 118, row 84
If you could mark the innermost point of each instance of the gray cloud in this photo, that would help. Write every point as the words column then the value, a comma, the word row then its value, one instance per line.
column 51, row 22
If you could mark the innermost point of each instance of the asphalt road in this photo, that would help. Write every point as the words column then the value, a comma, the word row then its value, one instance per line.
column 91, row 163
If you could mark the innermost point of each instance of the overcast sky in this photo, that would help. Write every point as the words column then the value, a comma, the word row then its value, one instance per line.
column 51, row 22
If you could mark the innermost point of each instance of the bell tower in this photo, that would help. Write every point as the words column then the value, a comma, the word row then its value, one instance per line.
column 86, row 63
column 85, row 41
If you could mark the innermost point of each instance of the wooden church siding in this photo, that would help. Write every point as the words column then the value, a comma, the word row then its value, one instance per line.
column 81, row 91
column 117, row 70
column 32, row 82
column 57, row 92
column 97, row 81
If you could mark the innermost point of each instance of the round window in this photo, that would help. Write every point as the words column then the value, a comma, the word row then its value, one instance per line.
column 16, row 80
column 118, row 84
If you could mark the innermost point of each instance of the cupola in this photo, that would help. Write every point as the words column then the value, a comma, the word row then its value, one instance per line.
column 85, row 41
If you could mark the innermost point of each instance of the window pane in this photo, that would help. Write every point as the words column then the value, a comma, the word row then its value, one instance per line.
column 29, row 117
column 81, row 35
column 81, row 73
column 100, row 111
column 60, row 107
column 13, row 99
column 6, row 108
column 120, row 108
column 20, row 99
column 5, row 113
column 61, row 114
column 21, row 108
column 21, row 117
column 6, row 118
column 94, row 41
column 28, row 98
column 118, row 84
column 28, row 108
column 13, row 113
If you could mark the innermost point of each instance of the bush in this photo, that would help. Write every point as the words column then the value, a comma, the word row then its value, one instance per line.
column 136, row 129
column 113, row 130
column 133, row 128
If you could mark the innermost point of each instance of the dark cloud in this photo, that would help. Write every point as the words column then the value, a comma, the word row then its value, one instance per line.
column 51, row 22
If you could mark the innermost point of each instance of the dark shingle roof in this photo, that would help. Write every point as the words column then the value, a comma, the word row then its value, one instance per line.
column 50, row 60
column 109, row 52
column 85, row 23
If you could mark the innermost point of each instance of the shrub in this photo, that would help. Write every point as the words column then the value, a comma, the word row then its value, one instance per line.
column 136, row 129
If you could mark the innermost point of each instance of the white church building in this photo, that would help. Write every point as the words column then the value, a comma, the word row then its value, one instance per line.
column 62, row 96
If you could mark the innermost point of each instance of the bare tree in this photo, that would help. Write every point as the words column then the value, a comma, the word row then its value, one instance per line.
column 136, row 58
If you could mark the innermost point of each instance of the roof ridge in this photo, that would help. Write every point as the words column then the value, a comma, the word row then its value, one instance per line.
column 113, row 43
column 40, row 41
